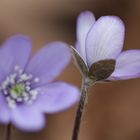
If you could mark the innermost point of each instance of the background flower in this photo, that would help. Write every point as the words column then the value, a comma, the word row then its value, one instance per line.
column 99, row 45
column 25, row 84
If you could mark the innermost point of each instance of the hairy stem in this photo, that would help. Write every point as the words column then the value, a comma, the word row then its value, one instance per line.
column 80, row 110
column 8, row 132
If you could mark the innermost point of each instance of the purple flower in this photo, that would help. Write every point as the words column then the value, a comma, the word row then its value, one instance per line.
column 25, row 84
column 98, row 49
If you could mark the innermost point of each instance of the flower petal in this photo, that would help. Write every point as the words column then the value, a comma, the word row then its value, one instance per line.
column 28, row 118
column 49, row 62
column 105, row 39
column 57, row 97
column 4, row 110
column 2, row 74
column 84, row 23
column 15, row 51
column 127, row 66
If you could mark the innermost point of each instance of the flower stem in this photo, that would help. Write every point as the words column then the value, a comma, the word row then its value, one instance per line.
column 8, row 132
column 80, row 110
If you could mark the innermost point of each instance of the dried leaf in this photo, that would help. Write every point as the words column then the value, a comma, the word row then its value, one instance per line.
column 102, row 69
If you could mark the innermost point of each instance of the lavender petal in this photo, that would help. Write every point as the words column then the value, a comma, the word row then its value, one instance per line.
column 4, row 110
column 57, row 97
column 84, row 23
column 15, row 52
column 127, row 66
column 27, row 118
column 105, row 39
column 49, row 62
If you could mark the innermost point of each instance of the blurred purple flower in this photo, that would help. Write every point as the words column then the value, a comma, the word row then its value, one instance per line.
column 25, row 84
column 99, row 45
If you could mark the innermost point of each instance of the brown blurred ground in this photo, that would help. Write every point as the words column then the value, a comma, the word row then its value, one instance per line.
column 113, row 112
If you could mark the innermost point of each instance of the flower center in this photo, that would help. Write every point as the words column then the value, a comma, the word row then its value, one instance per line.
column 18, row 88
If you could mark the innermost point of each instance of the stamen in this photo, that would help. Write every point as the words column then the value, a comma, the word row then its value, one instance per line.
column 36, row 80
column 28, row 88
column 19, row 99
column 16, row 67
column 4, row 84
column 11, row 102
column 26, row 98
column 5, row 92
column 24, row 77
column 20, row 71
column 27, row 83
column 34, row 94
column 12, row 78
column 13, row 95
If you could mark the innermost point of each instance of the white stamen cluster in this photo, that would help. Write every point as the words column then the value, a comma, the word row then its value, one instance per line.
column 21, row 82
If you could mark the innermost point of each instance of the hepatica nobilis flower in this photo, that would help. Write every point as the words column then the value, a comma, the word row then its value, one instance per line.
column 98, row 49
column 26, row 88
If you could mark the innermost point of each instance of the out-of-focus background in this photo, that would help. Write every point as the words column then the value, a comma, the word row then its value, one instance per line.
column 113, row 110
